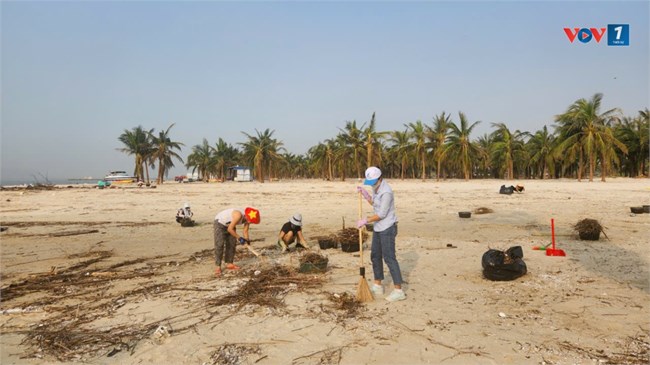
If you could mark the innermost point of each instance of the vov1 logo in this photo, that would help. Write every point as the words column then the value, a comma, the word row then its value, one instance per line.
column 617, row 34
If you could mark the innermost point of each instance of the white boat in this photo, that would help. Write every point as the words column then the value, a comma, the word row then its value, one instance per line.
column 120, row 176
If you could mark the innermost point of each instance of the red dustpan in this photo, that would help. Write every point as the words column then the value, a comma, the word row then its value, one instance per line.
column 552, row 251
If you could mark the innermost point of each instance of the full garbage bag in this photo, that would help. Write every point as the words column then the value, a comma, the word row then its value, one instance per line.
column 504, row 265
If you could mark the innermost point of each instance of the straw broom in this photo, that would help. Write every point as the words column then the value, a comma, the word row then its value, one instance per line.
column 363, row 291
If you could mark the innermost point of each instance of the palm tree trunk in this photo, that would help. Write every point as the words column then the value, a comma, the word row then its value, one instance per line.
column 591, row 166
column 424, row 166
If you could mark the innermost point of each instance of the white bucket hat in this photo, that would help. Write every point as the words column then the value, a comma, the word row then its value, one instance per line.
column 296, row 220
column 186, row 205
column 372, row 175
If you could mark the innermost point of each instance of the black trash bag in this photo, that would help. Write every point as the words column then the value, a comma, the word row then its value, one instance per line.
column 504, row 265
column 507, row 190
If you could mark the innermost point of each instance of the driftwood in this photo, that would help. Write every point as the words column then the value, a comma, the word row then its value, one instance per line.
column 74, row 233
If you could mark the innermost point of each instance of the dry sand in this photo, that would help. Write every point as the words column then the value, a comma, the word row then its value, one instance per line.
column 589, row 307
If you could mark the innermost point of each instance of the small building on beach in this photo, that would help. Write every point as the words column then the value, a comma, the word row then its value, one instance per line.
column 242, row 173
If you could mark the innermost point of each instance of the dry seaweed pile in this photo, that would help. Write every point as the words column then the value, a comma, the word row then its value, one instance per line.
column 75, row 297
column 77, row 280
column 346, row 302
column 313, row 258
column 267, row 287
column 233, row 354
column 69, row 335
column 350, row 236
column 483, row 210
column 589, row 227
column 636, row 351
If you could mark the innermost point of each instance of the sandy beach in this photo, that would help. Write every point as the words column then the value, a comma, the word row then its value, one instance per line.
column 108, row 277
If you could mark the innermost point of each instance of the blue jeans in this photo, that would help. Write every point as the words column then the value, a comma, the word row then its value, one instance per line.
column 383, row 247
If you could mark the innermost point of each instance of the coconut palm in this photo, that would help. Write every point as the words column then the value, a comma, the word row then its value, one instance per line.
column 372, row 141
column 417, row 132
column 137, row 142
column 341, row 156
column 439, row 137
column 401, row 147
column 224, row 155
column 318, row 160
column 633, row 132
column 163, row 151
column 485, row 145
column 201, row 159
column 459, row 147
column 354, row 140
column 261, row 150
column 507, row 148
column 584, row 128
column 607, row 146
column 540, row 147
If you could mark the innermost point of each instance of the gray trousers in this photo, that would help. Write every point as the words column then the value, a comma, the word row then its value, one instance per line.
column 223, row 239
column 383, row 247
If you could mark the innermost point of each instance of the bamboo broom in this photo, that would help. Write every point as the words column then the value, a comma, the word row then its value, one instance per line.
column 363, row 291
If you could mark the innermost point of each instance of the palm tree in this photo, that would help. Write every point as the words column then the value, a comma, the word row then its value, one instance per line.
column 137, row 143
column 459, row 145
column 401, row 148
column 261, row 150
column 163, row 151
column 201, row 159
column 507, row 147
column 353, row 138
column 439, row 135
column 224, row 155
column 583, row 129
column 540, row 147
column 485, row 145
column 607, row 146
column 418, row 133
column 633, row 132
column 372, row 141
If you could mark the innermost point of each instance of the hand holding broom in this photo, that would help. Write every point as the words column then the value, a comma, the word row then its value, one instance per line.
column 363, row 291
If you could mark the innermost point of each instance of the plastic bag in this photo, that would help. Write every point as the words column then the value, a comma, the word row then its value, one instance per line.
column 504, row 265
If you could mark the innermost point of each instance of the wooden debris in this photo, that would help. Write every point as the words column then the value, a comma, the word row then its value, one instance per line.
column 74, row 233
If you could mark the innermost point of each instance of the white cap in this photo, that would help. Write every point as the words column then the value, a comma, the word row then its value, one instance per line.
column 296, row 220
column 372, row 175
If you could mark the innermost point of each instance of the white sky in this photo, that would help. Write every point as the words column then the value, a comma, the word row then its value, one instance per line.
column 75, row 75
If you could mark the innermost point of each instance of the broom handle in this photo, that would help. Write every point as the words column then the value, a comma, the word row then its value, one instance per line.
column 360, row 233
column 553, row 232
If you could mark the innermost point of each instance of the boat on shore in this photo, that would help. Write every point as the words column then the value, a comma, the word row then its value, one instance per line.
column 120, row 176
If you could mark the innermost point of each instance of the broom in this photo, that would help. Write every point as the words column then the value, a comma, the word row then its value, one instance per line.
column 363, row 291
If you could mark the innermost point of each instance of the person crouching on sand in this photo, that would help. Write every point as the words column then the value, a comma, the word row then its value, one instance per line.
column 226, row 236
column 291, row 232
column 184, row 216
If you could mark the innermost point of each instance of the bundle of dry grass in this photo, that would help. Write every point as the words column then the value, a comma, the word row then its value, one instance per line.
column 350, row 236
column 313, row 262
column 589, row 229
column 313, row 258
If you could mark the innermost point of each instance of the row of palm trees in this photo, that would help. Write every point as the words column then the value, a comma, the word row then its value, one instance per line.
column 607, row 143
